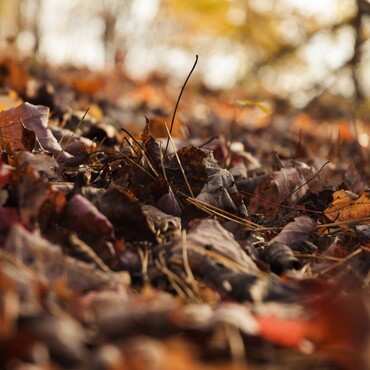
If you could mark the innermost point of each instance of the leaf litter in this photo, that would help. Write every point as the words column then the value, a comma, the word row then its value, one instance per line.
column 245, row 250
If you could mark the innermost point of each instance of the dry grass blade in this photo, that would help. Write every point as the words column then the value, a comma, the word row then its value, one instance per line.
column 12, row 260
column 144, row 257
column 215, row 211
column 150, row 164
column 136, row 164
column 176, row 282
column 131, row 146
column 316, row 256
column 162, row 163
column 365, row 248
column 236, row 344
column 337, row 264
column 341, row 223
column 225, row 260
column 189, row 273
column 178, row 160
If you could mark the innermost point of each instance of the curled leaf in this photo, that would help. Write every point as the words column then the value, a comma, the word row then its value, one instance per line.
column 15, row 124
column 280, row 258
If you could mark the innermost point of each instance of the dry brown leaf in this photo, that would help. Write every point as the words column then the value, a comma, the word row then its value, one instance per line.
column 295, row 232
column 49, row 262
column 15, row 124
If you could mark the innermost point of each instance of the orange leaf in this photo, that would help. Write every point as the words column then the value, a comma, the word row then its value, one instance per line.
column 347, row 206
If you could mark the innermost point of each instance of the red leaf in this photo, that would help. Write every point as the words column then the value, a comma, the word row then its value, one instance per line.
column 282, row 331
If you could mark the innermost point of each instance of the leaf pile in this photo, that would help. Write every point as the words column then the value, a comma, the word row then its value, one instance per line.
column 247, row 251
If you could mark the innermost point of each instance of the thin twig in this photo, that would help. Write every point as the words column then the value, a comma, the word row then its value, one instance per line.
column 130, row 135
column 136, row 164
column 177, row 282
column 226, row 260
column 306, row 182
column 316, row 256
column 213, row 210
column 337, row 264
column 280, row 205
column 340, row 223
column 178, row 101
column 208, row 141
column 131, row 146
column 150, row 164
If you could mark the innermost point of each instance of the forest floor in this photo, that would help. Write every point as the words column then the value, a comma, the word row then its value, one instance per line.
column 241, row 240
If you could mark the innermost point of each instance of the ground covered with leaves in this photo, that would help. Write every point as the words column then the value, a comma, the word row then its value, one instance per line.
column 241, row 240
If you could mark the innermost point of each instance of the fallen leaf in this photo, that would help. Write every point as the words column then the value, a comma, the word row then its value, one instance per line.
column 347, row 206
column 126, row 216
column 274, row 188
column 84, row 218
column 272, row 328
column 280, row 257
column 295, row 232
column 15, row 121
column 50, row 263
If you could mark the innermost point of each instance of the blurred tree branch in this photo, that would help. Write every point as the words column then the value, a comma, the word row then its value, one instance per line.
column 363, row 9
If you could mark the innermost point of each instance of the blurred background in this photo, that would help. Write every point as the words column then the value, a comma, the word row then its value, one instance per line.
column 291, row 50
